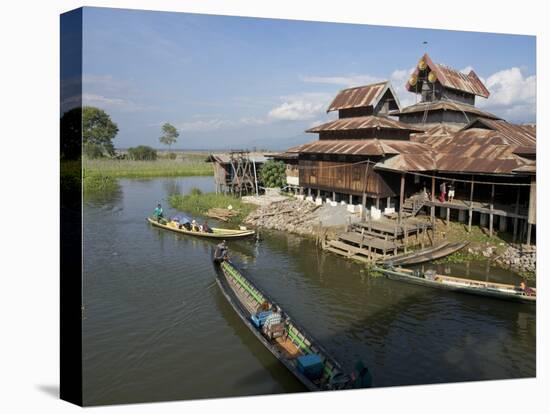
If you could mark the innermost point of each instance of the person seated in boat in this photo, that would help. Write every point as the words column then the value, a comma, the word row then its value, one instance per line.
column 158, row 213
column 194, row 226
column 186, row 226
column 527, row 291
column 273, row 324
column 206, row 228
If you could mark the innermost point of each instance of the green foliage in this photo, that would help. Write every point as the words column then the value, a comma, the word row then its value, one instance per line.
column 195, row 191
column 97, row 182
column 92, row 151
column 172, row 155
column 198, row 203
column 169, row 134
column 142, row 153
column 70, row 127
column 98, row 129
column 273, row 174
column 147, row 169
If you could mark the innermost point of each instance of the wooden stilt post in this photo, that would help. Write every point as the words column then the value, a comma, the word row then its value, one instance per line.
column 401, row 196
column 531, row 212
column 350, row 199
column 448, row 218
column 491, row 213
column 309, row 192
column 515, row 218
column 388, row 202
column 378, row 203
column 471, row 205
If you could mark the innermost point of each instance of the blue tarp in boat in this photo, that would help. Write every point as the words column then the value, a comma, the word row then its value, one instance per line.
column 181, row 218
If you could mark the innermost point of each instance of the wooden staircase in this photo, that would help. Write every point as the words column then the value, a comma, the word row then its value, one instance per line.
column 413, row 204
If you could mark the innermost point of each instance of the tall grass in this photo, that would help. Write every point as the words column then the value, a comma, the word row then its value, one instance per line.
column 143, row 169
column 198, row 203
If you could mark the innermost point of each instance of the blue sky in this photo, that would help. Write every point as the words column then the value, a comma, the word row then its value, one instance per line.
column 232, row 82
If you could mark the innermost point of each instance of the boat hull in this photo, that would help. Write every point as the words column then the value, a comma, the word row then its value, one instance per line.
column 217, row 232
column 245, row 315
column 492, row 293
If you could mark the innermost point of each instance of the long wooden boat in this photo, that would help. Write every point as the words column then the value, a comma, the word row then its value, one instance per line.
column 462, row 285
column 294, row 346
column 217, row 233
column 426, row 255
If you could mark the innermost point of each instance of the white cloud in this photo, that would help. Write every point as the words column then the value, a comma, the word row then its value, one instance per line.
column 205, row 124
column 513, row 95
column 105, row 102
column 345, row 80
column 302, row 107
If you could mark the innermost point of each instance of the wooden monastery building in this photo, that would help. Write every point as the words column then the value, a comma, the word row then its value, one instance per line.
column 379, row 154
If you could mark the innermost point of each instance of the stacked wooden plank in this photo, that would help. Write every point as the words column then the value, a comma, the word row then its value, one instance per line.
column 222, row 214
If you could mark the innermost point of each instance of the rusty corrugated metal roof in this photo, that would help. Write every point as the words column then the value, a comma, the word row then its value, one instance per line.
column 225, row 157
column 372, row 147
column 453, row 79
column 364, row 122
column 510, row 133
column 361, row 96
column 444, row 105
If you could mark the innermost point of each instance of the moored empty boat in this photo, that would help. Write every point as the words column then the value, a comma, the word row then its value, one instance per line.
column 285, row 339
column 215, row 233
column 475, row 287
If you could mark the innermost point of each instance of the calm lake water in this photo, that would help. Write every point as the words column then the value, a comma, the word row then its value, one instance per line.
column 156, row 326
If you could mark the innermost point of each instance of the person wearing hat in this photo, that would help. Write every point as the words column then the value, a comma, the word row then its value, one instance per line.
column 194, row 226
column 158, row 213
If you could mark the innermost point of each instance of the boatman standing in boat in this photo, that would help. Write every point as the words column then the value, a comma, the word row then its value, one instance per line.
column 221, row 251
column 158, row 213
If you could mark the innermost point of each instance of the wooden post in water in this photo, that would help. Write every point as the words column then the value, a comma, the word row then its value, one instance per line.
column 516, row 218
column 401, row 196
column 491, row 213
column 448, row 216
column 470, row 211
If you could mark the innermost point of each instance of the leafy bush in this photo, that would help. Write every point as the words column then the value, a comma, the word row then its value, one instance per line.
column 195, row 191
column 273, row 174
column 198, row 203
column 172, row 155
column 142, row 153
column 93, row 151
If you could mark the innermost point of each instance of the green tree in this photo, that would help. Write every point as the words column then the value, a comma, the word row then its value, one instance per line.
column 273, row 174
column 142, row 153
column 169, row 135
column 98, row 130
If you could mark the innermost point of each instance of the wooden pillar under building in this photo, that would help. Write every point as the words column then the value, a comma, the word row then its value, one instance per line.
column 401, row 196
column 364, row 200
column 516, row 218
column 448, row 218
column 378, row 203
column 388, row 202
column 318, row 193
column 351, row 199
column 470, row 211
column 491, row 213
column 309, row 192
column 334, row 196
column 531, row 212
